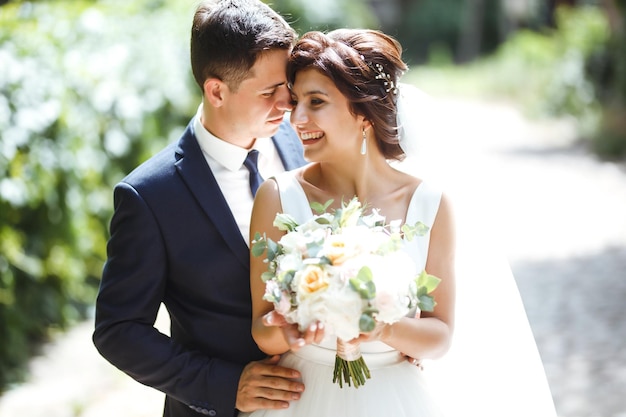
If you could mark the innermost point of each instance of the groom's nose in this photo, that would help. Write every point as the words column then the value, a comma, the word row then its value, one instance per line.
column 283, row 98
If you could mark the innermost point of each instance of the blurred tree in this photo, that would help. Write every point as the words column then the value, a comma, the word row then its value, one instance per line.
column 426, row 23
column 581, row 69
column 464, row 28
column 325, row 15
column 84, row 98
column 551, row 8
column 480, row 30
column 607, row 69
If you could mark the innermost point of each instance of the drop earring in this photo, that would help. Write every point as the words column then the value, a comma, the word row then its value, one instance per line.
column 364, row 144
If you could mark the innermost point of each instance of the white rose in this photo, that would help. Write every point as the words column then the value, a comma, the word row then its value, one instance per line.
column 289, row 262
column 293, row 242
column 344, row 308
column 338, row 307
column 393, row 274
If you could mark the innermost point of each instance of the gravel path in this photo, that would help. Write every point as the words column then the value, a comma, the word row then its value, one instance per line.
column 561, row 216
column 558, row 214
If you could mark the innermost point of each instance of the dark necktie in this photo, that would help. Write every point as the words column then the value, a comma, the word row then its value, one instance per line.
column 251, row 163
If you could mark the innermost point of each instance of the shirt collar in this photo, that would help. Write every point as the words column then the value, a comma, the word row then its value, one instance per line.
column 226, row 154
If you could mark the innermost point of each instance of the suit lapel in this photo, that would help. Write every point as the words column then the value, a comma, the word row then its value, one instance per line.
column 196, row 173
column 194, row 170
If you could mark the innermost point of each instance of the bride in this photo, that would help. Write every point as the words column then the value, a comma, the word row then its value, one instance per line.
column 346, row 97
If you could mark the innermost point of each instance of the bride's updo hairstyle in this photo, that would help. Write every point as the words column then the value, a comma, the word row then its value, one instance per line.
column 365, row 65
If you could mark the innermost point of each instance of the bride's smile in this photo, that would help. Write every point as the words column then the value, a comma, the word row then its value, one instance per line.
column 306, row 136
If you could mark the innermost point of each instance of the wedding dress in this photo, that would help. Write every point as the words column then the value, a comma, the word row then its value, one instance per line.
column 396, row 388
column 493, row 367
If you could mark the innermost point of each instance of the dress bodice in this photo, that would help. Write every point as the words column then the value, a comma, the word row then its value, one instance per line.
column 422, row 207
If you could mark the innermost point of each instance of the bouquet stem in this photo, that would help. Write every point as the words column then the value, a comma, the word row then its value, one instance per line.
column 350, row 367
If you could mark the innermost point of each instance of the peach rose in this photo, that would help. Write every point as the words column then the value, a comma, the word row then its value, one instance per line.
column 312, row 279
column 335, row 251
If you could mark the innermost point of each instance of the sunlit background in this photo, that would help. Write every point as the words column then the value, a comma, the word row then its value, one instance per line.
column 529, row 100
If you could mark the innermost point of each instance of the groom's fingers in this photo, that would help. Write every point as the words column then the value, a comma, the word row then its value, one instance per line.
column 266, row 385
column 412, row 360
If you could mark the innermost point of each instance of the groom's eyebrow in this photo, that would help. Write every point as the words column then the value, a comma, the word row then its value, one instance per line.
column 273, row 86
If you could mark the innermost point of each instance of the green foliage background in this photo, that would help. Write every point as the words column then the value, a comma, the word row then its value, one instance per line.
column 575, row 70
column 87, row 92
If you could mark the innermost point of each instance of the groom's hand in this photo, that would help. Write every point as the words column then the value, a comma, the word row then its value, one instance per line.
column 413, row 361
column 294, row 337
column 266, row 385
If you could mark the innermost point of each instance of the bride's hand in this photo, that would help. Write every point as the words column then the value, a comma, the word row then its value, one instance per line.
column 294, row 337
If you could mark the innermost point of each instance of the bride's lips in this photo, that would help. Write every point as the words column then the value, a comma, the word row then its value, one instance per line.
column 309, row 138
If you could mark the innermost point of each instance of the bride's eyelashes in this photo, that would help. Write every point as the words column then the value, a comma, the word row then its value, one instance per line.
column 316, row 102
column 313, row 102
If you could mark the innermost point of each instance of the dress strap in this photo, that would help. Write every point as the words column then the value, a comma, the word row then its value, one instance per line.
column 423, row 208
column 424, row 204
column 292, row 197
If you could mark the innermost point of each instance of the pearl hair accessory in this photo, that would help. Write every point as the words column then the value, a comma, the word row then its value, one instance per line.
column 390, row 86
column 388, row 83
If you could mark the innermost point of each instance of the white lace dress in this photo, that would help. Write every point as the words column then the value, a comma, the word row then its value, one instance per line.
column 396, row 388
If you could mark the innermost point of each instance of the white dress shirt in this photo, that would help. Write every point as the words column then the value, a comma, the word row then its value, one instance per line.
column 226, row 162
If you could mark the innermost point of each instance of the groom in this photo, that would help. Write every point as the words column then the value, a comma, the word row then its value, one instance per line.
column 180, row 227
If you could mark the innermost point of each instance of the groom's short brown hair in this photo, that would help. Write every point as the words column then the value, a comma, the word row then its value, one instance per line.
column 227, row 36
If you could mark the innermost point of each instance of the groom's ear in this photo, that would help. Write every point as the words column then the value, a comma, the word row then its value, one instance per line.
column 214, row 91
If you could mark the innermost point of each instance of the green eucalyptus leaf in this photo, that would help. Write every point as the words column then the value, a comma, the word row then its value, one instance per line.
column 273, row 250
column 266, row 276
column 285, row 222
column 258, row 246
column 323, row 220
column 429, row 282
column 366, row 323
column 418, row 229
column 363, row 283
column 320, row 208
column 426, row 303
column 288, row 277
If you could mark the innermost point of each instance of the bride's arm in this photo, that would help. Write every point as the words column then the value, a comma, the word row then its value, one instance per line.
column 430, row 335
column 270, row 339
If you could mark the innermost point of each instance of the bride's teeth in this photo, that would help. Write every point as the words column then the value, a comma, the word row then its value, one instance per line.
column 307, row 136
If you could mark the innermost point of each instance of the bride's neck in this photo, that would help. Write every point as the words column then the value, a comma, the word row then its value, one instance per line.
column 365, row 179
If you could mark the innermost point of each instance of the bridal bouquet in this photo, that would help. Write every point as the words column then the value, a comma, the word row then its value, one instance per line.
column 347, row 271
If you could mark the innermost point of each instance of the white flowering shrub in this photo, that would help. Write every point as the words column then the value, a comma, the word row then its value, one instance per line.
column 87, row 91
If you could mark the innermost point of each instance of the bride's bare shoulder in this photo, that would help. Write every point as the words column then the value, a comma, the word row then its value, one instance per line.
column 308, row 176
column 407, row 182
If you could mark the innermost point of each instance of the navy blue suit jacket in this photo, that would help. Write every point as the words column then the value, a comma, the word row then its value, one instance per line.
column 174, row 240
